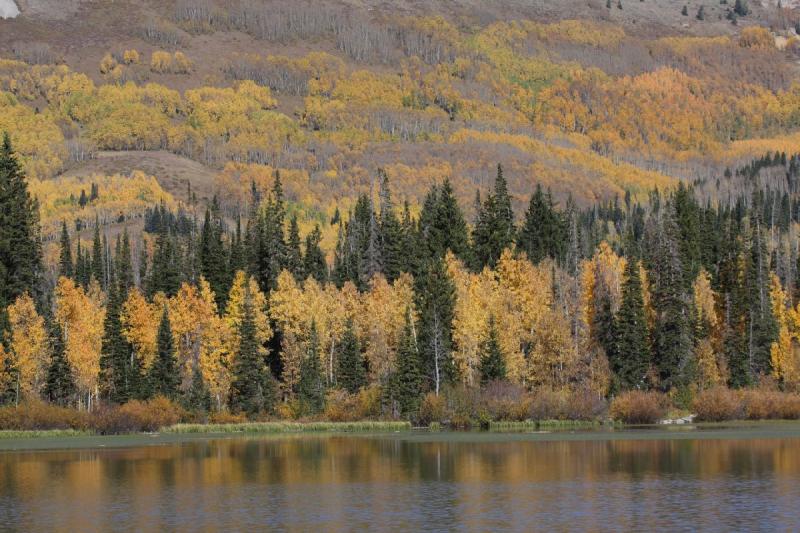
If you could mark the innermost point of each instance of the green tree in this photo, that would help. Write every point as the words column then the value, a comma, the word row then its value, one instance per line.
column 60, row 386
column 408, row 377
column 351, row 374
column 65, row 266
column 252, row 390
column 630, row 360
column 493, row 364
column 314, row 262
column 117, row 381
column 494, row 228
column 434, row 294
column 164, row 377
column 311, row 388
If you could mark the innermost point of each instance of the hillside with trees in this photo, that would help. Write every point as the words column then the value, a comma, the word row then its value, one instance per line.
column 274, row 209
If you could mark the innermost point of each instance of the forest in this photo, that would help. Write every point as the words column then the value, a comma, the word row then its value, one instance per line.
column 425, row 317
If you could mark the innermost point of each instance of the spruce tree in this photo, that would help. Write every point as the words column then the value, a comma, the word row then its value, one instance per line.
column 251, row 390
column 60, row 386
column 494, row 228
column 98, row 271
column 198, row 397
column 442, row 226
column 311, row 388
column 351, row 374
column 163, row 378
column 434, row 294
column 390, row 234
column 294, row 256
column 314, row 262
column 20, row 243
column 213, row 260
column 543, row 233
column 270, row 248
column 408, row 376
column 116, row 381
column 493, row 364
column 630, row 360
column 65, row 266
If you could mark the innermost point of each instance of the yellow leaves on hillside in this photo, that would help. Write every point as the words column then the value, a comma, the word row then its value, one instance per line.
column 29, row 346
column 35, row 137
column 165, row 63
column 127, row 196
column 81, row 314
column 756, row 37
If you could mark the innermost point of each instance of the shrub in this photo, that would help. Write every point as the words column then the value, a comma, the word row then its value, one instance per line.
column 226, row 417
column 37, row 415
column 368, row 401
column 547, row 404
column 638, row 407
column 763, row 404
column 505, row 401
column 584, row 404
column 431, row 409
column 134, row 416
column 464, row 407
column 341, row 406
column 718, row 404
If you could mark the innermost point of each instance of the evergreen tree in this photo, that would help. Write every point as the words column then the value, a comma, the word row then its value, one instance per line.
column 251, row 391
column 442, row 225
column 314, row 263
column 543, row 233
column 20, row 243
column 493, row 364
column 434, row 293
column 494, row 228
column 271, row 241
column 294, row 256
column 98, row 271
column 65, row 266
column 630, row 360
column 311, row 388
column 60, row 386
column 351, row 374
column 762, row 329
column 198, row 397
column 213, row 259
column 390, row 234
column 164, row 378
column 117, row 382
column 408, row 377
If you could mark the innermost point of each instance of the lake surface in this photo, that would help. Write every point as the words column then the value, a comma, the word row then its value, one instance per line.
column 715, row 480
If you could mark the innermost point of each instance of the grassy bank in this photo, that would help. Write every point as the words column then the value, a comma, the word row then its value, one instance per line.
column 43, row 433
column 541, row 425
column 289, row 427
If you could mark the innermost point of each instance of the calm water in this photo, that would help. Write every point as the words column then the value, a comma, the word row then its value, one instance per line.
column 741, row 480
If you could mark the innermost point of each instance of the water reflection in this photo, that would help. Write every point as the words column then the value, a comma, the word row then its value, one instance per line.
column 392, row 483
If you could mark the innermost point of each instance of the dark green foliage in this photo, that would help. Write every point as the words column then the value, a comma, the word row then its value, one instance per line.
column 311, row 387
column 434, row 295
column 351, row 374
column 268, row 241
column 164, row 378
column 60, row 386
column 197, row 398
column 65, row 265
column 98, row 266
column 630, row 359
column 494, row 228
column 119, row 379
column 294, row 256
column 442, row 226
column 493, row 363
column 212, row 255
column 20, row 244
column 544, row 233
column 407, row 382
column 314, row 263
column 252, row 390
column 741, row 8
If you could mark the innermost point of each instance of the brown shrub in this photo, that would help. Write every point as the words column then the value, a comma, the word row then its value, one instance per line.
column 638, row 407
column 718, row 404
column 764, row 404
column 37, row 415
column 341, row 406
column 135, row 416
column 464, row 407
column 431, row 409
column 226, row 417
column 503, row 400
column 584, row 405
column 547, row 404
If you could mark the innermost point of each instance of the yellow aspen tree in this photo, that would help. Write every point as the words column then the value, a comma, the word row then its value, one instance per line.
column 382, row 320
column 553, row 357
column 140, row 320
column 29, row 346
column 80, row 315
column 289, row 309
column 191, row 314
column 785, row 352
column 469, row 320
column 710, row 366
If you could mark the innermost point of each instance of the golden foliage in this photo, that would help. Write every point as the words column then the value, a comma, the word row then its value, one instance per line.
column 29, row 345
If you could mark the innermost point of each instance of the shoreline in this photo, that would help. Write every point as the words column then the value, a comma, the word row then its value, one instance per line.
column 54, row 440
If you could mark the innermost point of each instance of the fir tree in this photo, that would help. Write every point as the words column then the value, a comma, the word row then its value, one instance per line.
column 314, row 263
column 65, row 266
column 630, row 359
column 408, row 376
column 213, row 260
column 494, row 228
column 493, row 364
column 350, row 371
column 20, row 244
column 294, row 256
column 116, row 381
column 543, row 233
column 198, row 397
column 60, row 386
column 98, row 271
column 163, row 377
column 311, row 388
column 434, row 294
column 251, row 390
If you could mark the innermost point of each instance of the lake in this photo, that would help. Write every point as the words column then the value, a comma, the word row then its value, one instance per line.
column 719, row 479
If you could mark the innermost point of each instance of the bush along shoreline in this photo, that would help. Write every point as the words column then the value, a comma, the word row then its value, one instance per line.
column 498, row 407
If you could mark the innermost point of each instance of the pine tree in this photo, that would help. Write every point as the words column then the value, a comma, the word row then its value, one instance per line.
column 350, row 371
column 630, row 360
column 164, row 378
column 543, row 233
column 98, row 271
column 493, row 364
column 434, row 294
column 442, row 225
column 20, row 243
column 294, row 256
column 65, row 266
column 198, row 397
column 390, row 234
column 117, row 383
column 271, row 241
column 494, row 228
column 311, row 388
column 60, row 386
column 408, row 377
column 251, row 390
column 314, row 263
column 213, row 260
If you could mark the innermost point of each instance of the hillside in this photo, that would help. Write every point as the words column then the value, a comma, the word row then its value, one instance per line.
column 571, row 95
